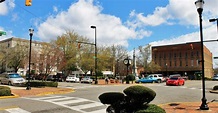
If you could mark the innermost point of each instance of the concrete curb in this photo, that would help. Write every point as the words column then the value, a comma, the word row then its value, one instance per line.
column 13, row 96
column 58, row 92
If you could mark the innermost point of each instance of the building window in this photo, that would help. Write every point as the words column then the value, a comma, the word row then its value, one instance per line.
column 192, row 63
column 180, row 63
column 174, row 55
column 192, row 54
column 180, row 54
column 197, row 53
column 186, row 62
column 186, row 55
column 170, row 55
column 175, row 63
column 197, row 62
column 170, row 63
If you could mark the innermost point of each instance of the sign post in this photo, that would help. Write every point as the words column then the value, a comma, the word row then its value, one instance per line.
column 2, row 33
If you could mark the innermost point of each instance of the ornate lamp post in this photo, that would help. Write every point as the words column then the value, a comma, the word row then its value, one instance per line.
column 96, row 79
column 199, row 5
column 166, row 69
column 31, row 30
column 127, row 62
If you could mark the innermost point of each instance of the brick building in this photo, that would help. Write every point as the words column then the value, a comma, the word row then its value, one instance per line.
column 184, row 59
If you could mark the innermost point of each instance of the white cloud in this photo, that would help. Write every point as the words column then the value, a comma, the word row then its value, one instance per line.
column 55, row 9
column 80, row 16
column 4, row 8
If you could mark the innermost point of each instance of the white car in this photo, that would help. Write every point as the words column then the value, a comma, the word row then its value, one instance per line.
column 12, row 79
column 86, row 79
column 72, row 78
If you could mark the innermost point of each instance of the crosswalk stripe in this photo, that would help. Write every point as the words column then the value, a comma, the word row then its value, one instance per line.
column 99, row 111
column 75, row 103
column 16, row 110
column 70, row 101
column 58, row 99
column 88, row 105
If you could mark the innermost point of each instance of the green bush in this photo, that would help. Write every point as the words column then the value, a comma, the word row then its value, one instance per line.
column 5, row 91
column 111, row 97
column 51, row 84
column 140, row 94
column 151, row 108
column 43, row 84
column 215, row 87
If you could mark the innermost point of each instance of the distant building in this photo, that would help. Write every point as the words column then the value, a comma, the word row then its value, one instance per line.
column 37, row 66
column 184, row 59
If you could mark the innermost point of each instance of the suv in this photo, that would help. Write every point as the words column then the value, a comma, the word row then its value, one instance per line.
column 159, row 77
column 72, row 78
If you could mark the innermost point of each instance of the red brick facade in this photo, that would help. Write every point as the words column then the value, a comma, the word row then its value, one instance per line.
column 184, row 59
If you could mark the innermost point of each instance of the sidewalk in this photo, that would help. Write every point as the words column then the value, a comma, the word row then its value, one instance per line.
column 189, row 107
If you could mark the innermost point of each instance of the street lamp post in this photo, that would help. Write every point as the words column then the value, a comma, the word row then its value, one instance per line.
column 213, row 20
column 166, row 69
column 199, row 5
column 31, row 30
column 96, row 79
column 127, row 62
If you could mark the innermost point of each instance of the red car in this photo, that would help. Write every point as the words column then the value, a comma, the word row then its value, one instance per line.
column 178, row 81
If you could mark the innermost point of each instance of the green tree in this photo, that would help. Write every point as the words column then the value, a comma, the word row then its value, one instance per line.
column 17, row 55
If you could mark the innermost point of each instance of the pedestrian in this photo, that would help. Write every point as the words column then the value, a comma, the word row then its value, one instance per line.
column 106, row 80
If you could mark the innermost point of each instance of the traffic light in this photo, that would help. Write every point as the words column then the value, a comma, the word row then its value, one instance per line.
column 28, row 3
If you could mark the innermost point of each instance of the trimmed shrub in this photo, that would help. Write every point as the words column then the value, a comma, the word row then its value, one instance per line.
column 151, row 108
column 140, row 94
column 43, row 84
column 51, row 84
column 5, row 91
column 215, row 87
column 111, row 97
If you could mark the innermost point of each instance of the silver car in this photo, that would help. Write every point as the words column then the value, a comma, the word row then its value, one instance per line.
column 86, row 79
column 12, row 79
column 215, row 77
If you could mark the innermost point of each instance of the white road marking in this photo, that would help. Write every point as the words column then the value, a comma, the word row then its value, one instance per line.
column 16, row 110
column 77, row 104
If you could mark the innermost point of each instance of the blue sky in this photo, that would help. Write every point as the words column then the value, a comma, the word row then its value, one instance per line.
column 130, row 23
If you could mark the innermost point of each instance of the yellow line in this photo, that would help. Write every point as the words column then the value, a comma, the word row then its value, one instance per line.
column 9, row 107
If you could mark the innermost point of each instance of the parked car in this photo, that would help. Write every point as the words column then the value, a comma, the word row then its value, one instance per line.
column 215, row 77
column 72, row 78
column 175, row 81
column 50, row 78
column 12, row 79
column 86, row 79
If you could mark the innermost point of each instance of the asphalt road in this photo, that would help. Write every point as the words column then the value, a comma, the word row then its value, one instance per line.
column 85, row 97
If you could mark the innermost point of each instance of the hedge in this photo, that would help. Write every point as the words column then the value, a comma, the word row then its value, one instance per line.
column 215, row 87
column 111, row 97
column 140, row 94
column 5, row 91
column 43, row 84
column 151, row 108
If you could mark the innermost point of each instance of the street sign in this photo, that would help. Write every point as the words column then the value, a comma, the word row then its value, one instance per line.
column 2, row 33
